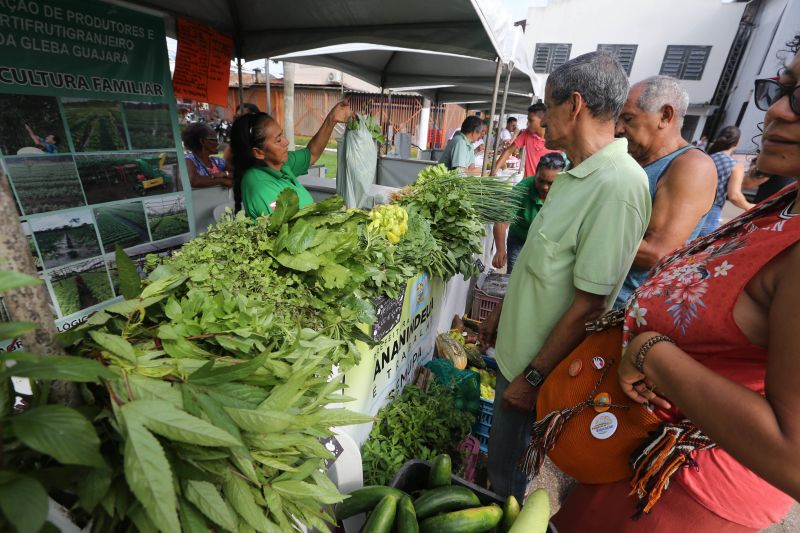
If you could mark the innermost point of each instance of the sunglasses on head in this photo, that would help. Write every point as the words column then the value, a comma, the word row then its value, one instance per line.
column 768, row 91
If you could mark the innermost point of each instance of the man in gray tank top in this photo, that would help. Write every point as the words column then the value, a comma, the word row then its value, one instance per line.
column 683, row 180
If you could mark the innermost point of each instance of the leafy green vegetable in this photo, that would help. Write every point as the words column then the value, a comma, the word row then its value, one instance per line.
column 417, row 425
column 368, row 122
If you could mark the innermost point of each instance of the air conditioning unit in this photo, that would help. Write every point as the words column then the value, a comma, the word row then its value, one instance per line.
column 334, row 77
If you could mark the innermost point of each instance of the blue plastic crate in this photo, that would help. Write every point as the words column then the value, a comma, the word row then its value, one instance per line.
column 486, row 412
column 481, row 431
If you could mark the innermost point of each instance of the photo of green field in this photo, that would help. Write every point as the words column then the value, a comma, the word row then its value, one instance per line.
column 110, row 177
column 81, row 285
column 40, row 114
column 149, row 125
column 45, row 184
column 37, row 261
column 65, row 237
column 167, row 217
column 121, row 224
column 95, row 125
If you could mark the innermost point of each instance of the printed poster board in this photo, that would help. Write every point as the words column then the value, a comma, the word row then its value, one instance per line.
column 406, row 334
column 89, row 141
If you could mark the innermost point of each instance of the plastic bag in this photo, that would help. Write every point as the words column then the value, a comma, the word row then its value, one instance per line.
column 357, row 160
column 466, row 384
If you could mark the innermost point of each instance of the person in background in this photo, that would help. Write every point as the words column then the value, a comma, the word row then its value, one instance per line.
column 682, row 179
column 509, row 133
column 532, row 139
column 263, row 164
column 702, row 143
column 534, row 190
column 479, row 146
column 730, row 176
column 205, row 168
column 460, row 152
column 48, row 144
column 726, row 375
column 578, row 249
column 246, row 108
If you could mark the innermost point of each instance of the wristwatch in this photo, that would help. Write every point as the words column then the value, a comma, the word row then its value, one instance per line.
column 533, row 376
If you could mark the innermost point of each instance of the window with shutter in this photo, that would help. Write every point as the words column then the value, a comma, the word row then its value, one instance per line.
column 549, row 56
column 625, row 54
column 685, row 62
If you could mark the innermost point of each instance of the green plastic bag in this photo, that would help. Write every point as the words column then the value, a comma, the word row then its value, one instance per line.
column 466, row 384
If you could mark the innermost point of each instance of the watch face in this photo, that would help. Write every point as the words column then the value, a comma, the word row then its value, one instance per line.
column 534, row 377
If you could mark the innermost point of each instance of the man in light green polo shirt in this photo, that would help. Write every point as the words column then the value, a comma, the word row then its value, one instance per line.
column 578, row 250
column 459, row 152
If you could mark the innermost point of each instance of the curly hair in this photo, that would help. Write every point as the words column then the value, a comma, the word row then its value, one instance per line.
column 193, row 135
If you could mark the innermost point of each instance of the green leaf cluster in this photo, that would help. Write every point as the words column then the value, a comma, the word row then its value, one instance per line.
column 316, row 267
column 414, row 425
column 214, row 414
column 41, row 446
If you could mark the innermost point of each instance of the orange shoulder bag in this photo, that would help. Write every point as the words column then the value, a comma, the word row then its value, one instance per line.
column 585, row 423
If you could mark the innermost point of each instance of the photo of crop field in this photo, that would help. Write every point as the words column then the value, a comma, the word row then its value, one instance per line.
column 26, row 229
column 111, row 177
column 149, row 125
column 95, row 125
column 167, row 217
column 42, row 116
column 45, row 184
column 65, row 237
column 80, row 285
column 121, row 224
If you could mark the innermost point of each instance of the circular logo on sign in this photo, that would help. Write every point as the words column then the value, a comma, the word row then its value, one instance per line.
column 603, row 426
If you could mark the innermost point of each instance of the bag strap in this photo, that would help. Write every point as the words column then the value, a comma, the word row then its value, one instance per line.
column 608, row 320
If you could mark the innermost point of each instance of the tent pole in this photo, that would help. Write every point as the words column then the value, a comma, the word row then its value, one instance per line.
column 501, row 118
column 269, row 87
column 380, row 116
column 497, row 73
column 241, row 90
column 388, row 123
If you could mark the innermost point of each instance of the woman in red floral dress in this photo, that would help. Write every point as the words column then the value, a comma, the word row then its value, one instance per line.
column 713, row 343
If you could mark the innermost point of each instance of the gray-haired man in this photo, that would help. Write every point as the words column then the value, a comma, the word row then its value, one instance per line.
column 578, row 250
column 683, row 180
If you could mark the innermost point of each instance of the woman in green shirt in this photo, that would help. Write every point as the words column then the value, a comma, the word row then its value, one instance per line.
column 263, row 164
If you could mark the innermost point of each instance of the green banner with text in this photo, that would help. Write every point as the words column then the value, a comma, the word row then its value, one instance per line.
column 81, row 48
column 89, row 142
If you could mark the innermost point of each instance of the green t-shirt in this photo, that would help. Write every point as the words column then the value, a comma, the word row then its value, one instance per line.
column 531, row 205
column 261, row 185
column 458, row 152
column 584, row 237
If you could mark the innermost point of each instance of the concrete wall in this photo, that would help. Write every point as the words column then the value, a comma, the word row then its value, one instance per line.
column 651, row 24
column 777, row 23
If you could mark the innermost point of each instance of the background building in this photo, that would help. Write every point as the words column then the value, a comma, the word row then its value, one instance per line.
column 773, row 24
column 688, row 39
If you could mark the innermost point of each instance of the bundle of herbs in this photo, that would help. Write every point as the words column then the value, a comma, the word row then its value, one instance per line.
column 212, row 416
column 414, row 425
column 317, row 267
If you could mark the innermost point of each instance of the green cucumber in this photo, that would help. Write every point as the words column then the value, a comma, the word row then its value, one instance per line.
column 510, row 513
column 381, row 519
column 444, row 499
column 406, row 521
column 535, row 514
column 365, row 499
column 473, row 520
column 441, row 471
